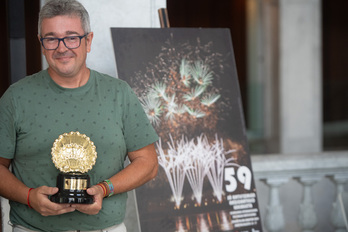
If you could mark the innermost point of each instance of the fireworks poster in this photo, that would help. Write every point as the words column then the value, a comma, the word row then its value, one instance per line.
column 186, row 80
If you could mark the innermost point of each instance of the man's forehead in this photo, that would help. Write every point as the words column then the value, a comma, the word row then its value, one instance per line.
column 61, row 25
column 67, row 33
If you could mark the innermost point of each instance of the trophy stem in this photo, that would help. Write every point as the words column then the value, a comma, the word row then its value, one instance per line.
column 72, row 189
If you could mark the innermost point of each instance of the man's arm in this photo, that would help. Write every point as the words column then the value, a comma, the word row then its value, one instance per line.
column 143, row 168
column 10, row 187
column 13, row 189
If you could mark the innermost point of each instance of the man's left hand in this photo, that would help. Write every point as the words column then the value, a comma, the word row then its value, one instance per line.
column 94, row 208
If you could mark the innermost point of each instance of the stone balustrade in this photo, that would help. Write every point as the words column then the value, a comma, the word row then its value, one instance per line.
column 317, row 209
column 275, row 171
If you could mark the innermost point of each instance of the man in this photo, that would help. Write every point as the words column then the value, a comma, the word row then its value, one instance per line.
column 70, row 97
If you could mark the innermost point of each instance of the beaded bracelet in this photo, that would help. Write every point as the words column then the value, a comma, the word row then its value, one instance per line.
column 111, row 187
column 28, row 198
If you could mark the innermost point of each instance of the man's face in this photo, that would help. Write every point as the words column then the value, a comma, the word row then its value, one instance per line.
column 63, row 61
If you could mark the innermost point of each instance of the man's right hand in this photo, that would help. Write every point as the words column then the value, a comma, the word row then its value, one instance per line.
column 38, row 200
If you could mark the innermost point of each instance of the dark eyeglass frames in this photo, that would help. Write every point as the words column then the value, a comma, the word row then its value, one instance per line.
column 71, row 42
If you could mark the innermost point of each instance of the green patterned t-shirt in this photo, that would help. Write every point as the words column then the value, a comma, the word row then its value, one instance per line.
column 35, row 111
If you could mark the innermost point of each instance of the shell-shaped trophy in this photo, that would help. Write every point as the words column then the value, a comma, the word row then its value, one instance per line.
column 74, row 154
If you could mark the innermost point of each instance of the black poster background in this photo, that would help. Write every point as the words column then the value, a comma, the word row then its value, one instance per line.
column 187, row 81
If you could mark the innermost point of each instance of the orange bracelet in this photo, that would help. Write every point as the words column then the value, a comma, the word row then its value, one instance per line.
column 28, row 198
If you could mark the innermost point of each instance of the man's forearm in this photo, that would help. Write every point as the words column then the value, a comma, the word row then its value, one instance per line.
column 10, row 187
column 143, row 167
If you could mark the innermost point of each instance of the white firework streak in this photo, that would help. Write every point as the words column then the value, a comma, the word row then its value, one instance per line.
column 175, row 166
column 201, row 73
column 152, row 108
column 210, row 99
column 199, row 160
column 195, row 161
column 185, row 73
column 171, row 107
column 195, row 92
column 216, row 167
column 160, row 90
column 195, row 113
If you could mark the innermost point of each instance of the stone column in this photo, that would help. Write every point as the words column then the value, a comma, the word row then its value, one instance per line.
column 307, row 216
column 263, row 85
column 274, row 219
column 300, row 76
column 284, row 69
column 337, row 217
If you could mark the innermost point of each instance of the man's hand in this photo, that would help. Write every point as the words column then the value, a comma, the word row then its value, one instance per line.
column 92, row 209
column 39, row 201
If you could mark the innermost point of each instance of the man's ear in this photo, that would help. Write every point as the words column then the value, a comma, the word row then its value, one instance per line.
column 38, row 37
column 89, row 39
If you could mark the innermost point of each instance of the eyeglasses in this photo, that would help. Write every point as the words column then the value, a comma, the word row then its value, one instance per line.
column 71, row 42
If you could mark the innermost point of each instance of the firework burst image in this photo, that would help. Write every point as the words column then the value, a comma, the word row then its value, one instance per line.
column 177, row 89
column 194, row 159
column 186, row 81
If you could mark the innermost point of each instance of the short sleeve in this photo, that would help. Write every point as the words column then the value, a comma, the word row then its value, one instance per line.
column 7, row 126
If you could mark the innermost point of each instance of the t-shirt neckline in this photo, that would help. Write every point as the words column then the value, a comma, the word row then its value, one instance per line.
column 77, row 90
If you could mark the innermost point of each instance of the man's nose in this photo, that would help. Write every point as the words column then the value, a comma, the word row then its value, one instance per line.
column 61, row 46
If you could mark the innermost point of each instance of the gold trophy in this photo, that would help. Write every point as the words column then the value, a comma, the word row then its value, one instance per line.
column 74, row 154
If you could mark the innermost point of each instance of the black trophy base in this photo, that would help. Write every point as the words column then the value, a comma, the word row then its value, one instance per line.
column 73, row 198
column 72, row 189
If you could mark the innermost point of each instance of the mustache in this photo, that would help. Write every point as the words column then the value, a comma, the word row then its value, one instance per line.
column 63, row 54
